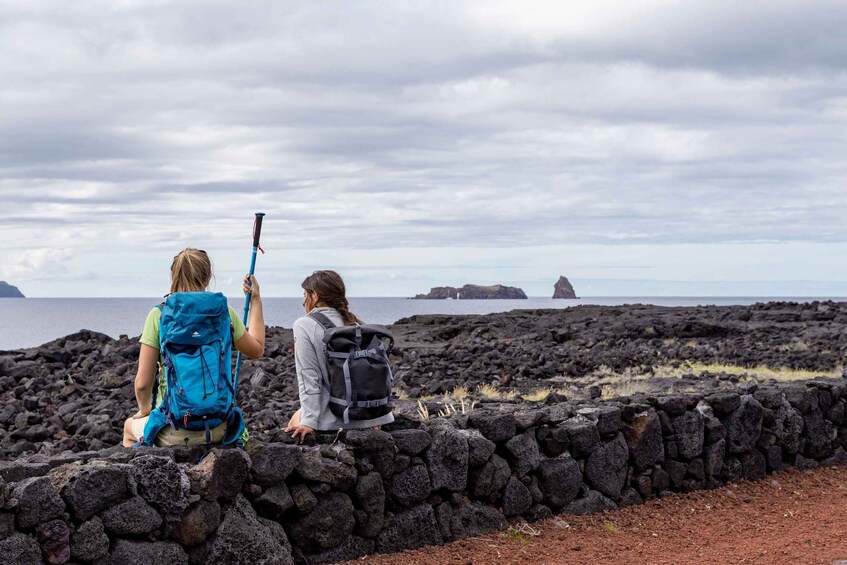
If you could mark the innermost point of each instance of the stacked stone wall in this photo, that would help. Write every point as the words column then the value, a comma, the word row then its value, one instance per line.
column 354, row 493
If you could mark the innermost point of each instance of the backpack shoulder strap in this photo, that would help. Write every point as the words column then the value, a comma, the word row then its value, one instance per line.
column 322, row 320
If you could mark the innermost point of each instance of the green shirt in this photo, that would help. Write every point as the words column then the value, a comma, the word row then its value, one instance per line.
column 150, row 336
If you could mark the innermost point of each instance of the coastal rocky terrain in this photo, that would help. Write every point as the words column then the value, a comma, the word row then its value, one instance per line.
column 74, row 393
column 9, row 291
column 563, row 289
column 502, row 418
column 473, row 292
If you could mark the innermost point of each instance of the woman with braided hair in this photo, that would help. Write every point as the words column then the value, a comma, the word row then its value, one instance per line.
column 323, row 293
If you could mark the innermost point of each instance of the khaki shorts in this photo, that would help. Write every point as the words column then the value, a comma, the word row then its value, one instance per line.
column 170, row 437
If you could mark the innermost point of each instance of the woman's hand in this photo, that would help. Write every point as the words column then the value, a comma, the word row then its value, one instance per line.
column 300, row 430
column 251, row 287
column 141, row 414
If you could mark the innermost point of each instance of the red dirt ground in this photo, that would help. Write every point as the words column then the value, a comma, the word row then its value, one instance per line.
column 791, row 517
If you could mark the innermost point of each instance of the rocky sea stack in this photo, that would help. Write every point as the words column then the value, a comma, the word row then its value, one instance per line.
column 563, row 289
column 473, row 292
column 9, row 291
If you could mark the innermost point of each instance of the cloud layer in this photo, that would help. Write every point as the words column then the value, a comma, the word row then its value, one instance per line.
column 135, row 128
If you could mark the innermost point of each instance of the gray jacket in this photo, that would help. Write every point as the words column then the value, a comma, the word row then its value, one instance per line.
column 310, row 360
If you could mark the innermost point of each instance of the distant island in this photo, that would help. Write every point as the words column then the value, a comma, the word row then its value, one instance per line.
column 9, row 291
column 563, row 289
column 473, row 292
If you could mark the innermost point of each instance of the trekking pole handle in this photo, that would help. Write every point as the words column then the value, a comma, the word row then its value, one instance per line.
column 257, row 228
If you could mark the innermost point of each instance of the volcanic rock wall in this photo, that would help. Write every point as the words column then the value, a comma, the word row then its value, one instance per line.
column 346, row 495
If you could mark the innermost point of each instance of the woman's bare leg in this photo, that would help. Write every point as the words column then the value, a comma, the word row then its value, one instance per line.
column 129, row 439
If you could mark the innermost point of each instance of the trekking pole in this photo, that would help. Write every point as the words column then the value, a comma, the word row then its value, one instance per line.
column 257, row 232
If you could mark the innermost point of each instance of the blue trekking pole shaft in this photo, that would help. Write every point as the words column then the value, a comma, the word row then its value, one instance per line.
column 257, row 233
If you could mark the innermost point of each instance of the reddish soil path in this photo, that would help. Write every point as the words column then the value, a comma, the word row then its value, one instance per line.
column 792, row 517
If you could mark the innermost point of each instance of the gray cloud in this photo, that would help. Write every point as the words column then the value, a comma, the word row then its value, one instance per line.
column 471, row 124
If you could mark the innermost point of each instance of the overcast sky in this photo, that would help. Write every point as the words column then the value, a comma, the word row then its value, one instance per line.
column 636, row 147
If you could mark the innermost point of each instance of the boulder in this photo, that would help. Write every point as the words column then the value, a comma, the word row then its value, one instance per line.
column 220, row 474
column 314, row 467
column 271, row 464
column 278, row 533
column 724, row 403
column 352, row 549
column 411, row 529
column 16, row 471
column 753, row 465
column 644, row 439
column 486, row 481
column 582, row 435
column 495, row 426
column 606, row 467
column 369, row 495
column 198, row 523
column 676, row 472
column 689, row 433
column 327, row 526
column 447, row 459
column 304, row 500
column 819, row 433
column 274, row 502
column 411, row 442
column 161, row 483
column 89, row 542
column 38, row 501
column 560, row 480
column 673, row 404
column 713, row 458
column 4, row 494
column 54, row 539
column 606, row 418
column 479, row 448
column 131, row 517
column 591, row 503
column 7, row 524
column 744, row 425
column 553, row 440
column 243, row 539
column 563, row 289
column 377, row 446
column 474, row 519
column 517, row 499
column 523, row 453
column 410, row 487
column 131, row 552
column 20, row 549
column 787, row 426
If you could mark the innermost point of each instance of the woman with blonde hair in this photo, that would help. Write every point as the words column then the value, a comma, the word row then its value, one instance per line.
column 191, row 271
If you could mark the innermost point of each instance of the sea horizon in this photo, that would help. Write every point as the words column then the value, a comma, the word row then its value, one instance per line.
column 33, row 321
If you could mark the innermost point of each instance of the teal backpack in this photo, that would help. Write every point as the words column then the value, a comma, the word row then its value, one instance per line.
column 195, row 342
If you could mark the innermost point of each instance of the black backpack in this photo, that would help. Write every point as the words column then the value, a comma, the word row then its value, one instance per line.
column 359, row 374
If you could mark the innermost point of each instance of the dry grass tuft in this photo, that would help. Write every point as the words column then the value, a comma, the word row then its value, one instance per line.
column 539, row 395
column 494, row 393
column 457, row 394
column 423, row 411
column 624, row 388
column 759, row 372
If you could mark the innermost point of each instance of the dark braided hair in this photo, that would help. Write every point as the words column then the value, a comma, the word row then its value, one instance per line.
column 330, row 289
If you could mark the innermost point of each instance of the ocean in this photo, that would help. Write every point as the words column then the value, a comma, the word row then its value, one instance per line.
column 29, row 322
